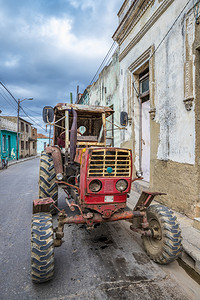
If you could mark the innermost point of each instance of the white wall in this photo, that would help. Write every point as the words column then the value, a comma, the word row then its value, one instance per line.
column 177, row 125
column 6, row 124
column 105, row 92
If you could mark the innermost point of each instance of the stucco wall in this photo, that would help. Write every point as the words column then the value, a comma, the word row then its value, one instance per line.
column 172, row 131
column 41, row 144
column 105, row 91
column 6, row 124
column 178, row 142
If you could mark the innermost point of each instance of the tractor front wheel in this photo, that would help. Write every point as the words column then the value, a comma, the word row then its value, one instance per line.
column 165, row 244
column 47, row 177
column 42, row 247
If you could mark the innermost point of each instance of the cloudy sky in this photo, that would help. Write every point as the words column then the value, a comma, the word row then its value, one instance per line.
column 48, row 47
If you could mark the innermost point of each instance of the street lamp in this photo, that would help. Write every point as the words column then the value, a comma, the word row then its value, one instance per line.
column 18, row 108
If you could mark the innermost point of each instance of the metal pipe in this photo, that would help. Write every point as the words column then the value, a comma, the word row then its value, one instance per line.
column 140, row 137
column 97, row 218
column 73, row 136
column 71, row 185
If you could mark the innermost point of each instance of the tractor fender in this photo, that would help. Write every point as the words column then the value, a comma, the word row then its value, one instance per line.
column 57, row 158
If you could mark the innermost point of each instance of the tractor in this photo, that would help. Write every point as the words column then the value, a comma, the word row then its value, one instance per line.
column 96, row 179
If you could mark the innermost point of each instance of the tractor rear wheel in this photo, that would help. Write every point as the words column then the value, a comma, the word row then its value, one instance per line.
column 165, row 245
column 42, row 247
column 47, row 178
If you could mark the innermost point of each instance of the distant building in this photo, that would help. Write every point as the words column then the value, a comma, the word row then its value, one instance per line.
column 27, row 136
column 33, row 141
column 85, row 97
column 105, row 92
column 8, row 139
column 42, row 142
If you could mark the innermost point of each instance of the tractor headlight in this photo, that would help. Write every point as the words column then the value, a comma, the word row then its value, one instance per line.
column 121, row 185
column 95, row 185
column 59, row 176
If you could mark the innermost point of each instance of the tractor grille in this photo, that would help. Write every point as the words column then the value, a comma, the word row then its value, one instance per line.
column 110, row 163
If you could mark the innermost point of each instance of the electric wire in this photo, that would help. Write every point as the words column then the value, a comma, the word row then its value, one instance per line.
column 11, row 104
column 169, row 30
column 31, row 118
column 21, row 106
column 103, row 62
column 196, row 11
column 1, row 83
column 5, row 94
column 33, row 111
column 165, row 36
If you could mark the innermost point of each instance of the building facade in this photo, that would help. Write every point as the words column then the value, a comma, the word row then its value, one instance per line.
column 27, row 137
column 42, row 142
column 8, row 139
column 105, row 92
column 85, row 97
column 33, row 141
column 159, row 60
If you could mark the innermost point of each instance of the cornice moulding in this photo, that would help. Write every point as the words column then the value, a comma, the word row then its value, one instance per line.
column 162, row 8
column 140, row 60
column 132, row 16
column 122, row 7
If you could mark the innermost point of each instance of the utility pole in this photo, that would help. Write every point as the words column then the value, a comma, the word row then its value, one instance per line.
column 18, row 108
column 77, row 92
column 71, row 98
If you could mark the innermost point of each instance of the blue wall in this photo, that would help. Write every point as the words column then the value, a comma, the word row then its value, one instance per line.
column 8, row 141
column 41, row 144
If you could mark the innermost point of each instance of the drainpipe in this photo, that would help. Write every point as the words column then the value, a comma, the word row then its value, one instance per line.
column 139, row 173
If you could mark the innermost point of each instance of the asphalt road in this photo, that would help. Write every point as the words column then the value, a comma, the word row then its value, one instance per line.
column 109, row 263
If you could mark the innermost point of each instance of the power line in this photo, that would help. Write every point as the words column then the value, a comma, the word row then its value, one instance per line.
column 8, row 101
column 31, row 118
column 20, row 106
column 104, row 60
column 6, row 95
column 163, row 40
column 8, row 91
column 32, row 111
column 169, row 30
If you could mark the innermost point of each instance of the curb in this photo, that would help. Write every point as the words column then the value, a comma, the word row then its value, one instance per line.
column 14, row 162
column 191, row 256
column 191, row 236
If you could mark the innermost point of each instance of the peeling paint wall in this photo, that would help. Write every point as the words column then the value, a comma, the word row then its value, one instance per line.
column 173, row 100
column 8, row 125
column 105, row 92
column 8, row 129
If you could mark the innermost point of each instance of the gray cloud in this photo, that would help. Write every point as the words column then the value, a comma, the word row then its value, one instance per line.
column 49, row 47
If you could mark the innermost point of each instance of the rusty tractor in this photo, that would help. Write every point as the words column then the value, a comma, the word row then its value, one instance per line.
column 97, row 181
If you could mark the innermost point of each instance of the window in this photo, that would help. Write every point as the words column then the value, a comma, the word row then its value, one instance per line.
column 33, row 145
column 22, row 145
column 26, row 145
column 144, row 85
column 27, row 128
column 22, row 126
column 4, row 143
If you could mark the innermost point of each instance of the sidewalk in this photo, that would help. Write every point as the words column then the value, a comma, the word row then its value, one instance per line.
column 191, row 236
column 13, row 162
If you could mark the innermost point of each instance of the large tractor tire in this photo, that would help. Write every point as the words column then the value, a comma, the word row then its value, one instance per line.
column 42, row 247
column 165, row 246
column 47, row 178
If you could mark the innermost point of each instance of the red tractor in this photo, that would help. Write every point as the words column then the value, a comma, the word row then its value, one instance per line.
column 97, row 180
